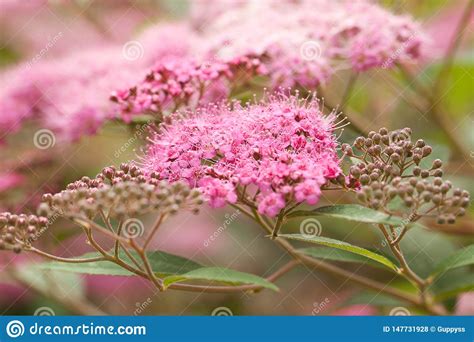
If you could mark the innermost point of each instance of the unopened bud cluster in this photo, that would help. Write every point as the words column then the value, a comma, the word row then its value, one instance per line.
column 19, row 230
column 389, row 168
column 120, row 193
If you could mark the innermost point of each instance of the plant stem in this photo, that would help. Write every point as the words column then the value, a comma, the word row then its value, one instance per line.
column 332, row 269
column 117, row 244
column 148, row 269
column 405, row 270
column 278, row 224
column 61, row 259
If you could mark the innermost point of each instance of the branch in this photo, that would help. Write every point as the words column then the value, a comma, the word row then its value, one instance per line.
column 332, row 269
column 61, row 259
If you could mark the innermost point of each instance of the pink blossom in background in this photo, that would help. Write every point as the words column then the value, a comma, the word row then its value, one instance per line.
column 30, row 26
column 204, row 11
column 10, row 180
column 357, row 310
column 443, row 26
column 284, row 146
column 307, row 41
column 465, row 304
column 70, row 94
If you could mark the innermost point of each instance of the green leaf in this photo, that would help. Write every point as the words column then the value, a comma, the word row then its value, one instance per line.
column 173, row 267
column 328, row 253
column 456, row 286
column 162, row 263
column 44, row 281
column 463, row 257
column 220, row 274
column 319, row 240
column 424, row 249
column 351, row 212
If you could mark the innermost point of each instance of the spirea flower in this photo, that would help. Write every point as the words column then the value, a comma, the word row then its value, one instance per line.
column 307, row 41
column 184, row 82
column 70, row 95
column 283, row 148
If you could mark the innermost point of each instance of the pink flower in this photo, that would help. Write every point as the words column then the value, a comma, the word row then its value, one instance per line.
column 10, row 180
column 271, row 205
column 465, row 304
column 283, row 148
column 219, row 192
column 307, row 41
column 179, row 82
column 70, row 95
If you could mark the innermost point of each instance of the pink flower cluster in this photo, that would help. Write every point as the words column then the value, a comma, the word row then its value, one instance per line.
column 308, row 40
column 283, row 148
column 182, row 82
column 69, row 95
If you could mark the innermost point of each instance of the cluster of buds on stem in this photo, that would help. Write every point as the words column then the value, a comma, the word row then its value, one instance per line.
column 19, row 230
column 120, row 194
column 390, row 167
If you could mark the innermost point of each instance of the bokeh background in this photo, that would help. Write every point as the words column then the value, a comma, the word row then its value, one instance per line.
column 57, row 28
